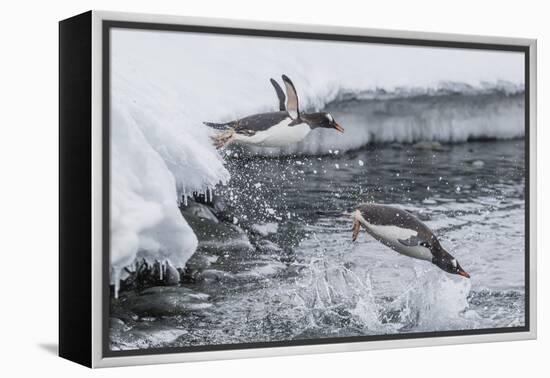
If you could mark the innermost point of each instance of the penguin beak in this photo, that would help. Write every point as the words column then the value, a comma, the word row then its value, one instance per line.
column 338, row 127
column 463, row 273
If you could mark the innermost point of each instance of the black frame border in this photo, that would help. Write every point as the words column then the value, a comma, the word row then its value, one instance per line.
column 108, row 25
column 75, row 189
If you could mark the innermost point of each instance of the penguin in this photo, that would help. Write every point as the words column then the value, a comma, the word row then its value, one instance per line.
column 404, row 233
column 274, row 129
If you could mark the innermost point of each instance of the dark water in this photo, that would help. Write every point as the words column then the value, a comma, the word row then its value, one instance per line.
column 293, row 272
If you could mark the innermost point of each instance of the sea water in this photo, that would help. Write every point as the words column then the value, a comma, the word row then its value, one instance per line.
column 316, row 283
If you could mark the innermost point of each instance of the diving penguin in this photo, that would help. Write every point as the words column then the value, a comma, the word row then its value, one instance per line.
column 274, row 129
column 404, row 233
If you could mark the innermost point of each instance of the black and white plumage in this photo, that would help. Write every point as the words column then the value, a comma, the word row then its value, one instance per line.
column 274, row 129
column 404, row 233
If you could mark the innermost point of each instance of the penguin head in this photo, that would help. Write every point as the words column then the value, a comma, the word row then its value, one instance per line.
column 330, row 123
column 449, row 264
column 322, row 119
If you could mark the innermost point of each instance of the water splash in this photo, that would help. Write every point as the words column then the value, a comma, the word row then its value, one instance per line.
column 433, row 301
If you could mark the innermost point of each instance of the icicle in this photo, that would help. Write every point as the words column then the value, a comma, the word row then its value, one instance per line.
column 210, row 192
column 161, row 266
column 184, row 197
column 117, row 282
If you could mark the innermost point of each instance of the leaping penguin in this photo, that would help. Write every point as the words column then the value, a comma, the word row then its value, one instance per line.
column 404, row 233
column 274, row 129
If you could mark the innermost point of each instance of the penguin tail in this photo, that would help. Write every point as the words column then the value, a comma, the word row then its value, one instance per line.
column 219, row 126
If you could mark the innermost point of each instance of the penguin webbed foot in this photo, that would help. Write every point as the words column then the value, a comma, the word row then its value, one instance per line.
column 356, row 228
column 221, row 140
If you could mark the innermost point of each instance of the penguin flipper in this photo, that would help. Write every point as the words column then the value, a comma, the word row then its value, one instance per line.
column 292, row 98
column 413, row 241
column 280, row 94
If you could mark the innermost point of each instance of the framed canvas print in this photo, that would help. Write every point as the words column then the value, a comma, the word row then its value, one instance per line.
column 232, row 189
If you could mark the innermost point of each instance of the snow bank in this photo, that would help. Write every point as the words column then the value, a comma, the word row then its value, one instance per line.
column 158, row 152
column 144, row 214
column 445, row 118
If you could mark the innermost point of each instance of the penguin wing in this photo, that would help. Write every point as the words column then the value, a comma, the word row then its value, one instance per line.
column 414, row 241
column 280, row 94
column 259, row 122
column 292, row 98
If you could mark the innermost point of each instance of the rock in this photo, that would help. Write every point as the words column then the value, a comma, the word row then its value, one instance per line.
column 142, row 276
column 147, row 275
column 478, row 164
column 263, row 269
column 265, row 229
column 198, row 210
column 171, row 275
column 165, row 301
column 423, row 216
column 429, row 201
column 428, row 145
column 119, row 313
column 268, row 247
column 396, row 146
column 221, row 209
column 209, row 230
column 214, row 275
column 117, row 325
column 195, row 265
column 218, row 239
